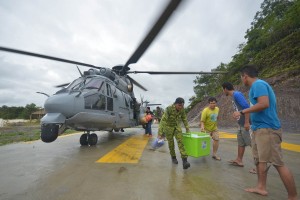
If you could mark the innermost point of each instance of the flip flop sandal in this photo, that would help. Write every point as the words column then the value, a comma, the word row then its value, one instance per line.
column 234, row 163
column 253, row 171
column 216, row 158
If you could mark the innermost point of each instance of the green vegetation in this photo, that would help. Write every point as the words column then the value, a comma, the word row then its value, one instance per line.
column 18, row 112
column 22, row 133
column 273, row 44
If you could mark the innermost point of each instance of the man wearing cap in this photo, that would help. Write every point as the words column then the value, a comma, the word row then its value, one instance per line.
column 170, row 125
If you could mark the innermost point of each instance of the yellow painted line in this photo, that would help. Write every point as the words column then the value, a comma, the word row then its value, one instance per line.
column 291, row 147
column 227, row 135
column 128, row 152
column 284, row 145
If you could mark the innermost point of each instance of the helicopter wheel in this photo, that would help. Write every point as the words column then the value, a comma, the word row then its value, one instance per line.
column 84, row 139
column 116, row 130
column 93, row 139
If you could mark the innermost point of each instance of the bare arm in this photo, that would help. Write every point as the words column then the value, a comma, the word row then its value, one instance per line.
column 202, row 127
column 247, row 121
column 262, row 103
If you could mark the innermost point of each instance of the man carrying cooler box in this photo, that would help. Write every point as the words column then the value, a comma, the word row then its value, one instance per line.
column 170, row 125
column 209, row 118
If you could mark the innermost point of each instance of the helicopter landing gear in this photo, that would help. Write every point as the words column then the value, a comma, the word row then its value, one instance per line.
column 83, row 139
column 116, row 130
column 88, row 139
column 49, row 132
column 92, row 139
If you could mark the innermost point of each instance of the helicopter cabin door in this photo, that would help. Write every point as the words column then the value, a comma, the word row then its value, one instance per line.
column 122, row 108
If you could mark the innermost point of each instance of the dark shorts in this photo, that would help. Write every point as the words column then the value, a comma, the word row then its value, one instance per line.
column 243, row 137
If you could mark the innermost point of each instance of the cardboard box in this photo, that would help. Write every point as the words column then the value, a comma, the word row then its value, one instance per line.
column 196, row 144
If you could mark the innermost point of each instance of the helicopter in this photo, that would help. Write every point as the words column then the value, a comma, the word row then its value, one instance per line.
column 101, row 98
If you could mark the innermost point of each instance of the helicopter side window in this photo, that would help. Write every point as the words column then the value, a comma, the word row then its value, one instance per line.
column 125, row 99
column 110, row 104
column 101, row 104
column 110, row 101
column 108, row 90
column 95, row 102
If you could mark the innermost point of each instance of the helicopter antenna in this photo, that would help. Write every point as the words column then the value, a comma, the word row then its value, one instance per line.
column 79, row 71
column 43, row 94
column 152, row 34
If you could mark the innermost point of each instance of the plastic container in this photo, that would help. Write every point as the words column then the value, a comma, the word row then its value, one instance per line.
column 196, row 144
column 157, row 143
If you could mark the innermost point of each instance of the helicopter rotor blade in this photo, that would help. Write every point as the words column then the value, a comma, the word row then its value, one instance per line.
column 46, row 57
column 62, row 85
column 157, row 73
column 136, row 83
column 152, row 33
column 154, row 104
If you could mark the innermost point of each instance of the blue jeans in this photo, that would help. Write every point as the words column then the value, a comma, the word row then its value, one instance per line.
column 148, row 129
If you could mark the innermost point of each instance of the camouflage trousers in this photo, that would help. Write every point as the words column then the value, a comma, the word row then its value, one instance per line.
column 170, row 133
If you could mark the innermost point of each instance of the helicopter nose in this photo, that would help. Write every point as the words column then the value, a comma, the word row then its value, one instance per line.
column 60, row 103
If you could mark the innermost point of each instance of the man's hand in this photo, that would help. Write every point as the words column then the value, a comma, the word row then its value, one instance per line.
column 247, row 126
column 202, row 129
column 236, row 114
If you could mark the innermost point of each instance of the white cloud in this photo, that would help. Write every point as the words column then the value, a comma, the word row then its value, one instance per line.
column 200, row 36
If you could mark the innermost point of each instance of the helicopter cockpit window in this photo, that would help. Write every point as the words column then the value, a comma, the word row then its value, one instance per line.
column 78, row 83
column 94, row 84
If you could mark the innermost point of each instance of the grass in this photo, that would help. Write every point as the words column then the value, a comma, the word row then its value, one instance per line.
column 22, row 133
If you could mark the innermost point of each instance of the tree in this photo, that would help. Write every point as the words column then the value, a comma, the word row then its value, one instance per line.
column 29, row 108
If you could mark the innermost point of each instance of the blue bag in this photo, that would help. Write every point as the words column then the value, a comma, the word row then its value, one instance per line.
column 157, row 143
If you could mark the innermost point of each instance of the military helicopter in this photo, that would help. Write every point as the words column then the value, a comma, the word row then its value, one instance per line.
column 101, row 98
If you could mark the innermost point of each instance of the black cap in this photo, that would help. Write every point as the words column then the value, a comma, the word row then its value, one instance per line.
column 179, row 100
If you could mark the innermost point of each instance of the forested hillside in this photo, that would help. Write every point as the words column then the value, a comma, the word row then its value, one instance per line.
column 273, row 44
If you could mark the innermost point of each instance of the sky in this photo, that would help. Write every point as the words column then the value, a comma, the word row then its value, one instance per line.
column 199, row 36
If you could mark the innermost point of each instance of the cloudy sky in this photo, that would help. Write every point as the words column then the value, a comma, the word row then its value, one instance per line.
column 105, row 33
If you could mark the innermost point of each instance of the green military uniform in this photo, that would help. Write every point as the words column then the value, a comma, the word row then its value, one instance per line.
column 170, row 125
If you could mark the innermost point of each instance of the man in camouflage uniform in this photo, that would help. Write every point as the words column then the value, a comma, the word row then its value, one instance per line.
column 158, row 113
column 170, row 126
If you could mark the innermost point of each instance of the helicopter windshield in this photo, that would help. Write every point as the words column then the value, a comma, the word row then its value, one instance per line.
column 78, row 83
column 95, row 83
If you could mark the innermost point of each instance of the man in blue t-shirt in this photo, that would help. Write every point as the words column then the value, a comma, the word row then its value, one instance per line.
column 267, row 133
column 239, row 102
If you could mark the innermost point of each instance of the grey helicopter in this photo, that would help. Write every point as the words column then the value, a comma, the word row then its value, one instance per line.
column 101, row 99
